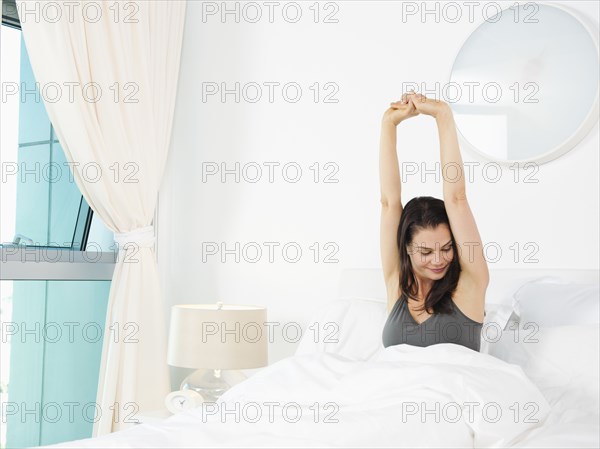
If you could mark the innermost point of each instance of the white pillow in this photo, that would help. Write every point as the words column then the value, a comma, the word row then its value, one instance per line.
column 498, row 317
column 502, row 287
column 548, row 302
column 499, row 298
column 350, row 327
column 563, row 361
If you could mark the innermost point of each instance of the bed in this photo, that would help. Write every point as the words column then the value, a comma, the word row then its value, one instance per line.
column 533, row 384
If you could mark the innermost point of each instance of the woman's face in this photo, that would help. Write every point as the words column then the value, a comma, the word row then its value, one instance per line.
column 431, row 252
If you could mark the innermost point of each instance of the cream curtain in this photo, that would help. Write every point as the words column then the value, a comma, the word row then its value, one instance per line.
column 108, row 72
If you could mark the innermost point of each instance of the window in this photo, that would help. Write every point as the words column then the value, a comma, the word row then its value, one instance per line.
column 53, row 292
column 35, row 173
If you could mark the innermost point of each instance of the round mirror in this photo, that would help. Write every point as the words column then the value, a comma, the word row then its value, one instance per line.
column 524, row 85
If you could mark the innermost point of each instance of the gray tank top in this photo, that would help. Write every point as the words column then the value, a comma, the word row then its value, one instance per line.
column 455, row 327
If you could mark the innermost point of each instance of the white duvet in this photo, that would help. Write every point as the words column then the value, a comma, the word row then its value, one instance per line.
column 442, row 395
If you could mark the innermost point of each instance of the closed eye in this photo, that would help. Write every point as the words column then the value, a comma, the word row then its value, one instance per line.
column 425, row 253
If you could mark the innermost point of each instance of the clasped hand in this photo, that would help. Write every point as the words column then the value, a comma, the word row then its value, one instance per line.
column 412, row 104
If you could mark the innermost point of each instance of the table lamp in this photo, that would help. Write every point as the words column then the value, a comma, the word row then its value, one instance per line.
column 212, row 338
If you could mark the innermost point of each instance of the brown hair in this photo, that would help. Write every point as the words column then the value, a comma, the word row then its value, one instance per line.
column 426, row 212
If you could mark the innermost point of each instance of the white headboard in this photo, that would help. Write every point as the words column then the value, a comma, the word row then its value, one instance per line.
column 368, row 282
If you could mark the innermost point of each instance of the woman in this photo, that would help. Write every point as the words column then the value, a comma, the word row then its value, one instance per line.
column 432, row 256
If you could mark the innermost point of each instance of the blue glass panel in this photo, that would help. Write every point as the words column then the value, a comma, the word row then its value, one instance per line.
column 54, row 360
column 64, row 200
column 33, row 193
column 34, row 124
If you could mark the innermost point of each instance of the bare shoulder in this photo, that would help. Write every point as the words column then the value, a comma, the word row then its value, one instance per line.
column 469, row 297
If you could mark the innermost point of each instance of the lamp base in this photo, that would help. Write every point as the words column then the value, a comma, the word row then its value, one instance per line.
column 212, row 383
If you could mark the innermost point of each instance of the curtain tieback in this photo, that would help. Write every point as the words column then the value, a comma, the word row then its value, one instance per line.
column 140, row 237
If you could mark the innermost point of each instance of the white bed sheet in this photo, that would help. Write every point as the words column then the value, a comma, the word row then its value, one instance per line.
column 375, row 400
column 372, row 385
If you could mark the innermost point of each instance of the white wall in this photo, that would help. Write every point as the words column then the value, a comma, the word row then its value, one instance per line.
column 368, row 54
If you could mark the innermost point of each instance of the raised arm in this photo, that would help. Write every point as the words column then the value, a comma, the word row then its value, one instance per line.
column 474, row 269
column 462, row 221
column 391, row 206
column 452, row 164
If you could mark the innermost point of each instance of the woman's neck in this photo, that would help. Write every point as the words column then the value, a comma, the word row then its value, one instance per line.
column 424, row 286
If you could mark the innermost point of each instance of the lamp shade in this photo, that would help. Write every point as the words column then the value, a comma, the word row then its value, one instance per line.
column 212, row 336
